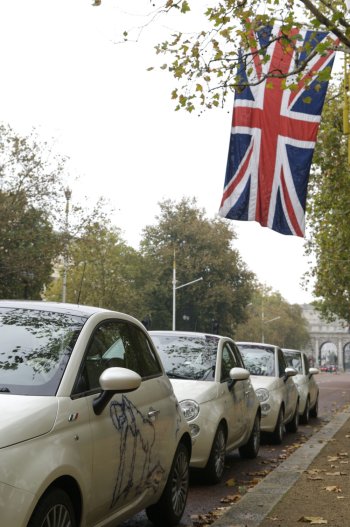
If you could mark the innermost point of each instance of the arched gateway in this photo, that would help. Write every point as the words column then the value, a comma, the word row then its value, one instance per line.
column 329, row 341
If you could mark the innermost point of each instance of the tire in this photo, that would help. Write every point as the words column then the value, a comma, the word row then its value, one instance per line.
column 251, row 448
column 293, row 425
column 171, row 505
column 305, row 417
column 278, row 433
column 216, row 463
column 314, row 409
column 55, row 509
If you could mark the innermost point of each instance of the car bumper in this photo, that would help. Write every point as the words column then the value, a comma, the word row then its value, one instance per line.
column 268, row 423
column 202, row 442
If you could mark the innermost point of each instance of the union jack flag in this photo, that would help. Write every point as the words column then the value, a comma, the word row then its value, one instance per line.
column 274, row 131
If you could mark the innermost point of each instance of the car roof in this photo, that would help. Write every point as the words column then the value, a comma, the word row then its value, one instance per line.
column 288, row 350
column 257, row 344
column 185, row 333
column 59, row 307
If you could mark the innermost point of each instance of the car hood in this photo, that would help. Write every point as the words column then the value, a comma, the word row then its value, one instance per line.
column 260, row 381
column 199, row 391
column 23, row 417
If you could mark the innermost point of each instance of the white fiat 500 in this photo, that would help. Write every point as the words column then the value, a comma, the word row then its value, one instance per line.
column 274, row 386
column 215, row 394
column 305, row 382
column 91, row 431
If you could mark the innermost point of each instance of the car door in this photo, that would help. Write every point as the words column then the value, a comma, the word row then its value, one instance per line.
column 287, row 385
column 233, row 396
column 312, row 385
column 133, row 438
column 250, row 402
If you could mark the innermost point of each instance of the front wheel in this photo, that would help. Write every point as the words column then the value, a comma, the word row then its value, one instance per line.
column 216, row 462
column 55, row 509
column 278, row 433
column 314, row 409
column 293, row 425
column 251, row 448
column 170, row 508
column 305, row 417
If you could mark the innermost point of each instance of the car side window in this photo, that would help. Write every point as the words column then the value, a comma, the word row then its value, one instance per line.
column 228, row 361
column 143, row 359
column 281, row 363
column 116, row 343
column 238, row 356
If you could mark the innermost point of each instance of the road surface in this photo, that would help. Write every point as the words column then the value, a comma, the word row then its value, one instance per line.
column 240, row 474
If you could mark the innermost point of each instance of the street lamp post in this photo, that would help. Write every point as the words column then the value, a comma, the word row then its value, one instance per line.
column 175, row 287
column 263, row 322
column 68, row 195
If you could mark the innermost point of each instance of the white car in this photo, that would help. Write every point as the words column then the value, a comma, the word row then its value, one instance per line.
column 305, row 382
column 91, row 431
column 274, row 386
column 215, row 394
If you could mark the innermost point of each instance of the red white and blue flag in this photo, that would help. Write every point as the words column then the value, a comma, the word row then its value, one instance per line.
column 274, row 131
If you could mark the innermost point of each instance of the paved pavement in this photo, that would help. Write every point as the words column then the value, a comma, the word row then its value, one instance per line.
column 311, row 487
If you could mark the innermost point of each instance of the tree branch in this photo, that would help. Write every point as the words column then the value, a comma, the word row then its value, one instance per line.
column 326, row 22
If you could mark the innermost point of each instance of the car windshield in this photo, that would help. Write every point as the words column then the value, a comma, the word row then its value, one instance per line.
column 258, row 360
column 188, row 357
column 35, row 348
column 293, row 360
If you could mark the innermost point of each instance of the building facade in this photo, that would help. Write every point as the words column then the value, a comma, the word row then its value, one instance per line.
column 329, row 341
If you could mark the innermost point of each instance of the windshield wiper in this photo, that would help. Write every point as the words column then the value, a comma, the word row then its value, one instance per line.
column 177, row 376
column 4, row 389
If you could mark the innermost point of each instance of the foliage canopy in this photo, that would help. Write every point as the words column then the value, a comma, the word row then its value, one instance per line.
column 202, row 248
column 328, row 214
column 204, row 63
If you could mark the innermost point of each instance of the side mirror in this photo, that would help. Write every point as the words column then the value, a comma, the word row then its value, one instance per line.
column 313, row 371
column 238, row 374
column 112, row 381
column 289, row 372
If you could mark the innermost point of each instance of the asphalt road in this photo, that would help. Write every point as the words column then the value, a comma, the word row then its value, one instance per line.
column 240, row 474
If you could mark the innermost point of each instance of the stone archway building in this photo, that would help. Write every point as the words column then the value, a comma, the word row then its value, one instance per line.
column 329, row 341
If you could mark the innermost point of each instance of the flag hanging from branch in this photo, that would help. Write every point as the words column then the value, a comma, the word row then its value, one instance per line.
column 274, row 129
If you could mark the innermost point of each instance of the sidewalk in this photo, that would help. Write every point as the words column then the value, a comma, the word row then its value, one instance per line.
column 312, row 487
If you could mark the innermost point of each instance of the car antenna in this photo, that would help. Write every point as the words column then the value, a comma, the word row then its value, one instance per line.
column 81, row 283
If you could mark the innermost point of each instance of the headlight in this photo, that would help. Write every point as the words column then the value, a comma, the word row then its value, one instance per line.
column 262, row 394
column 265, row 408
column 190, row 409
column 194, row 430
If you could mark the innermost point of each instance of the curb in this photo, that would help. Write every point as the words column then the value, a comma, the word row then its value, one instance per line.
column 254, row 506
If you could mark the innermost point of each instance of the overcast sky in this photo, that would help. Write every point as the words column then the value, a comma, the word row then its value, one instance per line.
column 64, row 73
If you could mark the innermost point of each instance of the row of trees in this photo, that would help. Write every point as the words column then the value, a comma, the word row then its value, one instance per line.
column 329, row 213
column 102, row 269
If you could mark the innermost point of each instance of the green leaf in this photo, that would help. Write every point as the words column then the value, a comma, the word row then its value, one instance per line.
column 185, row 7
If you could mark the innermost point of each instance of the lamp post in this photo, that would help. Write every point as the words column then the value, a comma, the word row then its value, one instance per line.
column 263, row 321
column 68, row 195
column 175, row 287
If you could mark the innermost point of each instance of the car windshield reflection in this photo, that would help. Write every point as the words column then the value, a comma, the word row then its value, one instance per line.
column 258, row 360
column 35, row 348
column 187, row 357
column 293, row 360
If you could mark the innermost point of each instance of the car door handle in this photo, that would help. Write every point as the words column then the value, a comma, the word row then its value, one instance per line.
column 152, row 413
